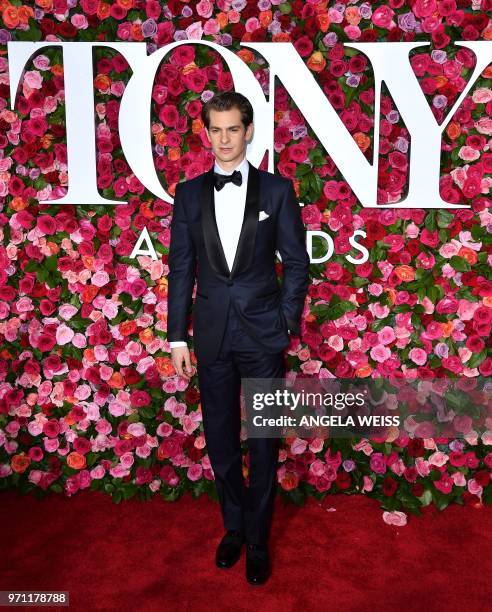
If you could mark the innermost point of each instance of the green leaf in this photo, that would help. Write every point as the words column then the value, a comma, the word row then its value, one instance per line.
column 302, row 170
column 430, row 221
column 51, row 263
column 333, row 312
column 444, row 218
column 426, row 498
column 460, row 264
column 476, row 359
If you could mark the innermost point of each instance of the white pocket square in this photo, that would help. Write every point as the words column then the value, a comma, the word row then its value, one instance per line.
column 263, row 215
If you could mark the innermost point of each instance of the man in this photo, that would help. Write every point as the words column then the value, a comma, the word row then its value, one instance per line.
column 230, row 221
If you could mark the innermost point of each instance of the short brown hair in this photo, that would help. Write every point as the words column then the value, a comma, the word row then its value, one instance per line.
column 225, row 101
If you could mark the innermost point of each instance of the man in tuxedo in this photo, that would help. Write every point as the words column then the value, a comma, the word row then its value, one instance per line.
column 227, row 225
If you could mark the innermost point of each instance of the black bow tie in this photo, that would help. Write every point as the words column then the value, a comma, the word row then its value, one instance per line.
column 221, row 179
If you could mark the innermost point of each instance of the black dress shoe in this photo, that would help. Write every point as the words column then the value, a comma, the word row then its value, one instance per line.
column 257, row 563
column 229, row 549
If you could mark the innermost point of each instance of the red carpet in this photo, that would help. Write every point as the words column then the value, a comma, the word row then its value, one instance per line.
column 159, row 556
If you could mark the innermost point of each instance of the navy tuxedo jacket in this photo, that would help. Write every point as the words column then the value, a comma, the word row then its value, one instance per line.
column 266, row 310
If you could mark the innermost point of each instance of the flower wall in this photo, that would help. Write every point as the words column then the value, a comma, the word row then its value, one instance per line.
column 88, row 394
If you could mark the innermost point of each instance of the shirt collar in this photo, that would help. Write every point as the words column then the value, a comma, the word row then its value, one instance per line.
column 243, row 167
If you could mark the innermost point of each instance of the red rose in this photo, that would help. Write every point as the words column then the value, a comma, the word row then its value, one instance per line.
column 343, row 480
column 389, row 486
column 482, row 477
column 417, row 489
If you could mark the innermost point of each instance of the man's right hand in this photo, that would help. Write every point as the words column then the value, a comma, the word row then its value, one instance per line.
column 180, row 354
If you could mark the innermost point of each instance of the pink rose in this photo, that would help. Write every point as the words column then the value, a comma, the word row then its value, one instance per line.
column 395, row 518
column 64, row 334
column 382, row 17
column 386, row 335
column 34, row 79
column 468, row 154
column 380, row 353
column 194, row 31
column 418, row 356
column 195, row 472
column 378, row 463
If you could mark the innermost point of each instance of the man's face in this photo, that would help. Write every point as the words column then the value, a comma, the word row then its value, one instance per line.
column 228, row 136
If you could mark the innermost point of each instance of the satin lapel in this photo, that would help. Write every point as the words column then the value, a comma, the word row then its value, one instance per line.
column 211, row 238
column 246, row 243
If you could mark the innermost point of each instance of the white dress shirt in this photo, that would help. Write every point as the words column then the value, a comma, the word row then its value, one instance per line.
column 229, row 202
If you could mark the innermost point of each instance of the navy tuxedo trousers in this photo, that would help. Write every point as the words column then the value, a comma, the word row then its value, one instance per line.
column 249, row 508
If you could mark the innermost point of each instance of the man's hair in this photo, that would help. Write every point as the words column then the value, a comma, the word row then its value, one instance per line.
column 225, row 101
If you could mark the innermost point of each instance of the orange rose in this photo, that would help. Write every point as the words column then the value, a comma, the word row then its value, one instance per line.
column 246, row 55
column 352, row 15
column 363, row 371
column 146, row 336
column 281, row 37
column 10, row 17
column 265, row 18
column 127, row 328
column 316, row 62
column 76, row 461
column 405, row 273
column 116, row 381
column 362, row 140
column 222, row 20
column 161, row 287
column 468, row 254
column 102, row 82
column 103, row 10
column 447, row 329
column 391, row 296
column 57, row 69
column 20, row 463
column 174, row 153
column 441, row 81
column 487, row 35
column 146, row 210
column 165, row 366
column 136, row 32
column 453, row 130
column 18, row 203
column 289, row 481
column 160, row 138
column 323, row 22
column 487, row 301
column 88, row 261
column 25, row 13
column 45, row 141
column 53, row 247
column 69, row 420
column 126, row 4
column 46, row 5
column 197, row 126
column 89, row 292
column 89, row 355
